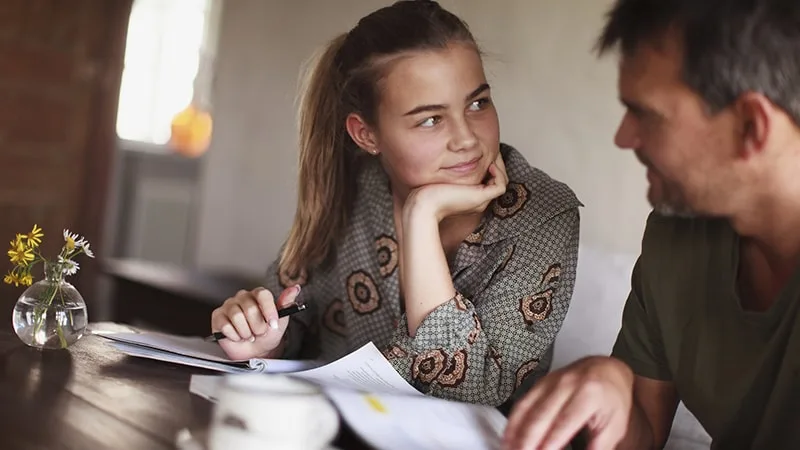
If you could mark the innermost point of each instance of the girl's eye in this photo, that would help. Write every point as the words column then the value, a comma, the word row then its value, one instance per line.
column 430, row 121
column 479, row 104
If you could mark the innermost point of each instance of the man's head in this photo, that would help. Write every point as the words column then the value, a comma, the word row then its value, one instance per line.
column 712, row 90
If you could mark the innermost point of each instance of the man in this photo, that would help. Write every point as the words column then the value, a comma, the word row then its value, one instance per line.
column 712, row 91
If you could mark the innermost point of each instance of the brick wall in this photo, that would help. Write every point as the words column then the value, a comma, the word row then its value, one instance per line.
column 60, row 68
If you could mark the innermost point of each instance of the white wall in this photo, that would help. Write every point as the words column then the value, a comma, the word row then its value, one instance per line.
column 557, row 105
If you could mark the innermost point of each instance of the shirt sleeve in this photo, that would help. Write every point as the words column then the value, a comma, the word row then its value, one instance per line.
column 639, row 344
column 481, row 349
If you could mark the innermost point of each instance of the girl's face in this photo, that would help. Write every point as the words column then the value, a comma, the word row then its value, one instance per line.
column 436, row 122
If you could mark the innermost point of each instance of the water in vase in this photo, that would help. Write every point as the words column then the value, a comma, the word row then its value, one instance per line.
column 56, row 326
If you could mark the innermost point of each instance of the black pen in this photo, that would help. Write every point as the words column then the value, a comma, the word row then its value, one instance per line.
column 288, row 311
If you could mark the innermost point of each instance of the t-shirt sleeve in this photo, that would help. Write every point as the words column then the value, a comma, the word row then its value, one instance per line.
column 639, row 341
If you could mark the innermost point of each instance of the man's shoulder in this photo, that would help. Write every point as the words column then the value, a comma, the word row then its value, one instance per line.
column 676, row 234
column 680, row 257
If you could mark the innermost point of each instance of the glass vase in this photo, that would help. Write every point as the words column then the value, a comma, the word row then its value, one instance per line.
column 51, row 313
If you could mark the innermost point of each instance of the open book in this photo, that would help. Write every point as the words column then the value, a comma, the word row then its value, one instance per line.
column 376, row 402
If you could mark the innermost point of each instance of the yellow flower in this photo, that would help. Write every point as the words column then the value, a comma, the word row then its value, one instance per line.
column 26, row 280
column 19, row 253
column 35, row 236
column 10, row 278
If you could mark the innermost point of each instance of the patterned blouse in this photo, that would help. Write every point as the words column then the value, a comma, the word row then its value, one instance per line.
column 514, row 277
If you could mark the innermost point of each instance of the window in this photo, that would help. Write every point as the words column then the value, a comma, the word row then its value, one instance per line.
column 168, row 60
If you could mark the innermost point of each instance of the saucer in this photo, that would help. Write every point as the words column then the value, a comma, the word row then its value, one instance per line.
column 187, row 439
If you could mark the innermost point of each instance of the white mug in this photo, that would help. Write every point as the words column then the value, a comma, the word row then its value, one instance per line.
column 271, row 411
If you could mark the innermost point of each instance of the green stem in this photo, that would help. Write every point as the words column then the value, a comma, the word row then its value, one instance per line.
column 61, row 339
column 64, row 304
column 41, row 314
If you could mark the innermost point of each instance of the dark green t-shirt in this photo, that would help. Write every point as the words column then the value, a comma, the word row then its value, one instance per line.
column 736, row 371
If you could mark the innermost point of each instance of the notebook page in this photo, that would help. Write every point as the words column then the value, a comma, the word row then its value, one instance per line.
column 149, row 353
column 196, row 352
column 190, row 346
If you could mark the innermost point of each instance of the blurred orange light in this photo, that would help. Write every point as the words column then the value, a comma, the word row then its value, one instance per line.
column 191, row 131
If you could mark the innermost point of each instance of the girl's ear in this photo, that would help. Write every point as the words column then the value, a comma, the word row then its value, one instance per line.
column 362, row 134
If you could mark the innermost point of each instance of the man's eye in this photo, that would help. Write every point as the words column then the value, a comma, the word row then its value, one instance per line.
column 479, row 104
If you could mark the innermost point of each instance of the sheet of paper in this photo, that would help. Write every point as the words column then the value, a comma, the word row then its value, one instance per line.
column 365, row 369
column 397, row 422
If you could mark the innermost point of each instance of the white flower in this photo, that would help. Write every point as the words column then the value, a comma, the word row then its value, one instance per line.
column 80, row 242
column 68, row 266
column 68, row 235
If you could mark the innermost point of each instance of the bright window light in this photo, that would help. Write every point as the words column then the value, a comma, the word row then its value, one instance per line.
column 167, row 46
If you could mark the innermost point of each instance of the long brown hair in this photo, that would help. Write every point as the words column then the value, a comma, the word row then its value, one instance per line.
column 343, row 79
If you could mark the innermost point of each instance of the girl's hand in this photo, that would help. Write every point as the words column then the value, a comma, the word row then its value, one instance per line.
column 445, row 200
column 249, row 320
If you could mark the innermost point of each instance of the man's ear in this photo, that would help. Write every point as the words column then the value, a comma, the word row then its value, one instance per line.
column 756, row 115
column 361, row 133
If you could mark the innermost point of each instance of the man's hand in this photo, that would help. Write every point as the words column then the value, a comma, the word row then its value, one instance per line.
column 595, row 393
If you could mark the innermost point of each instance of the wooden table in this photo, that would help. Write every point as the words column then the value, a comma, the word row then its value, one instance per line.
column 91, row 396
